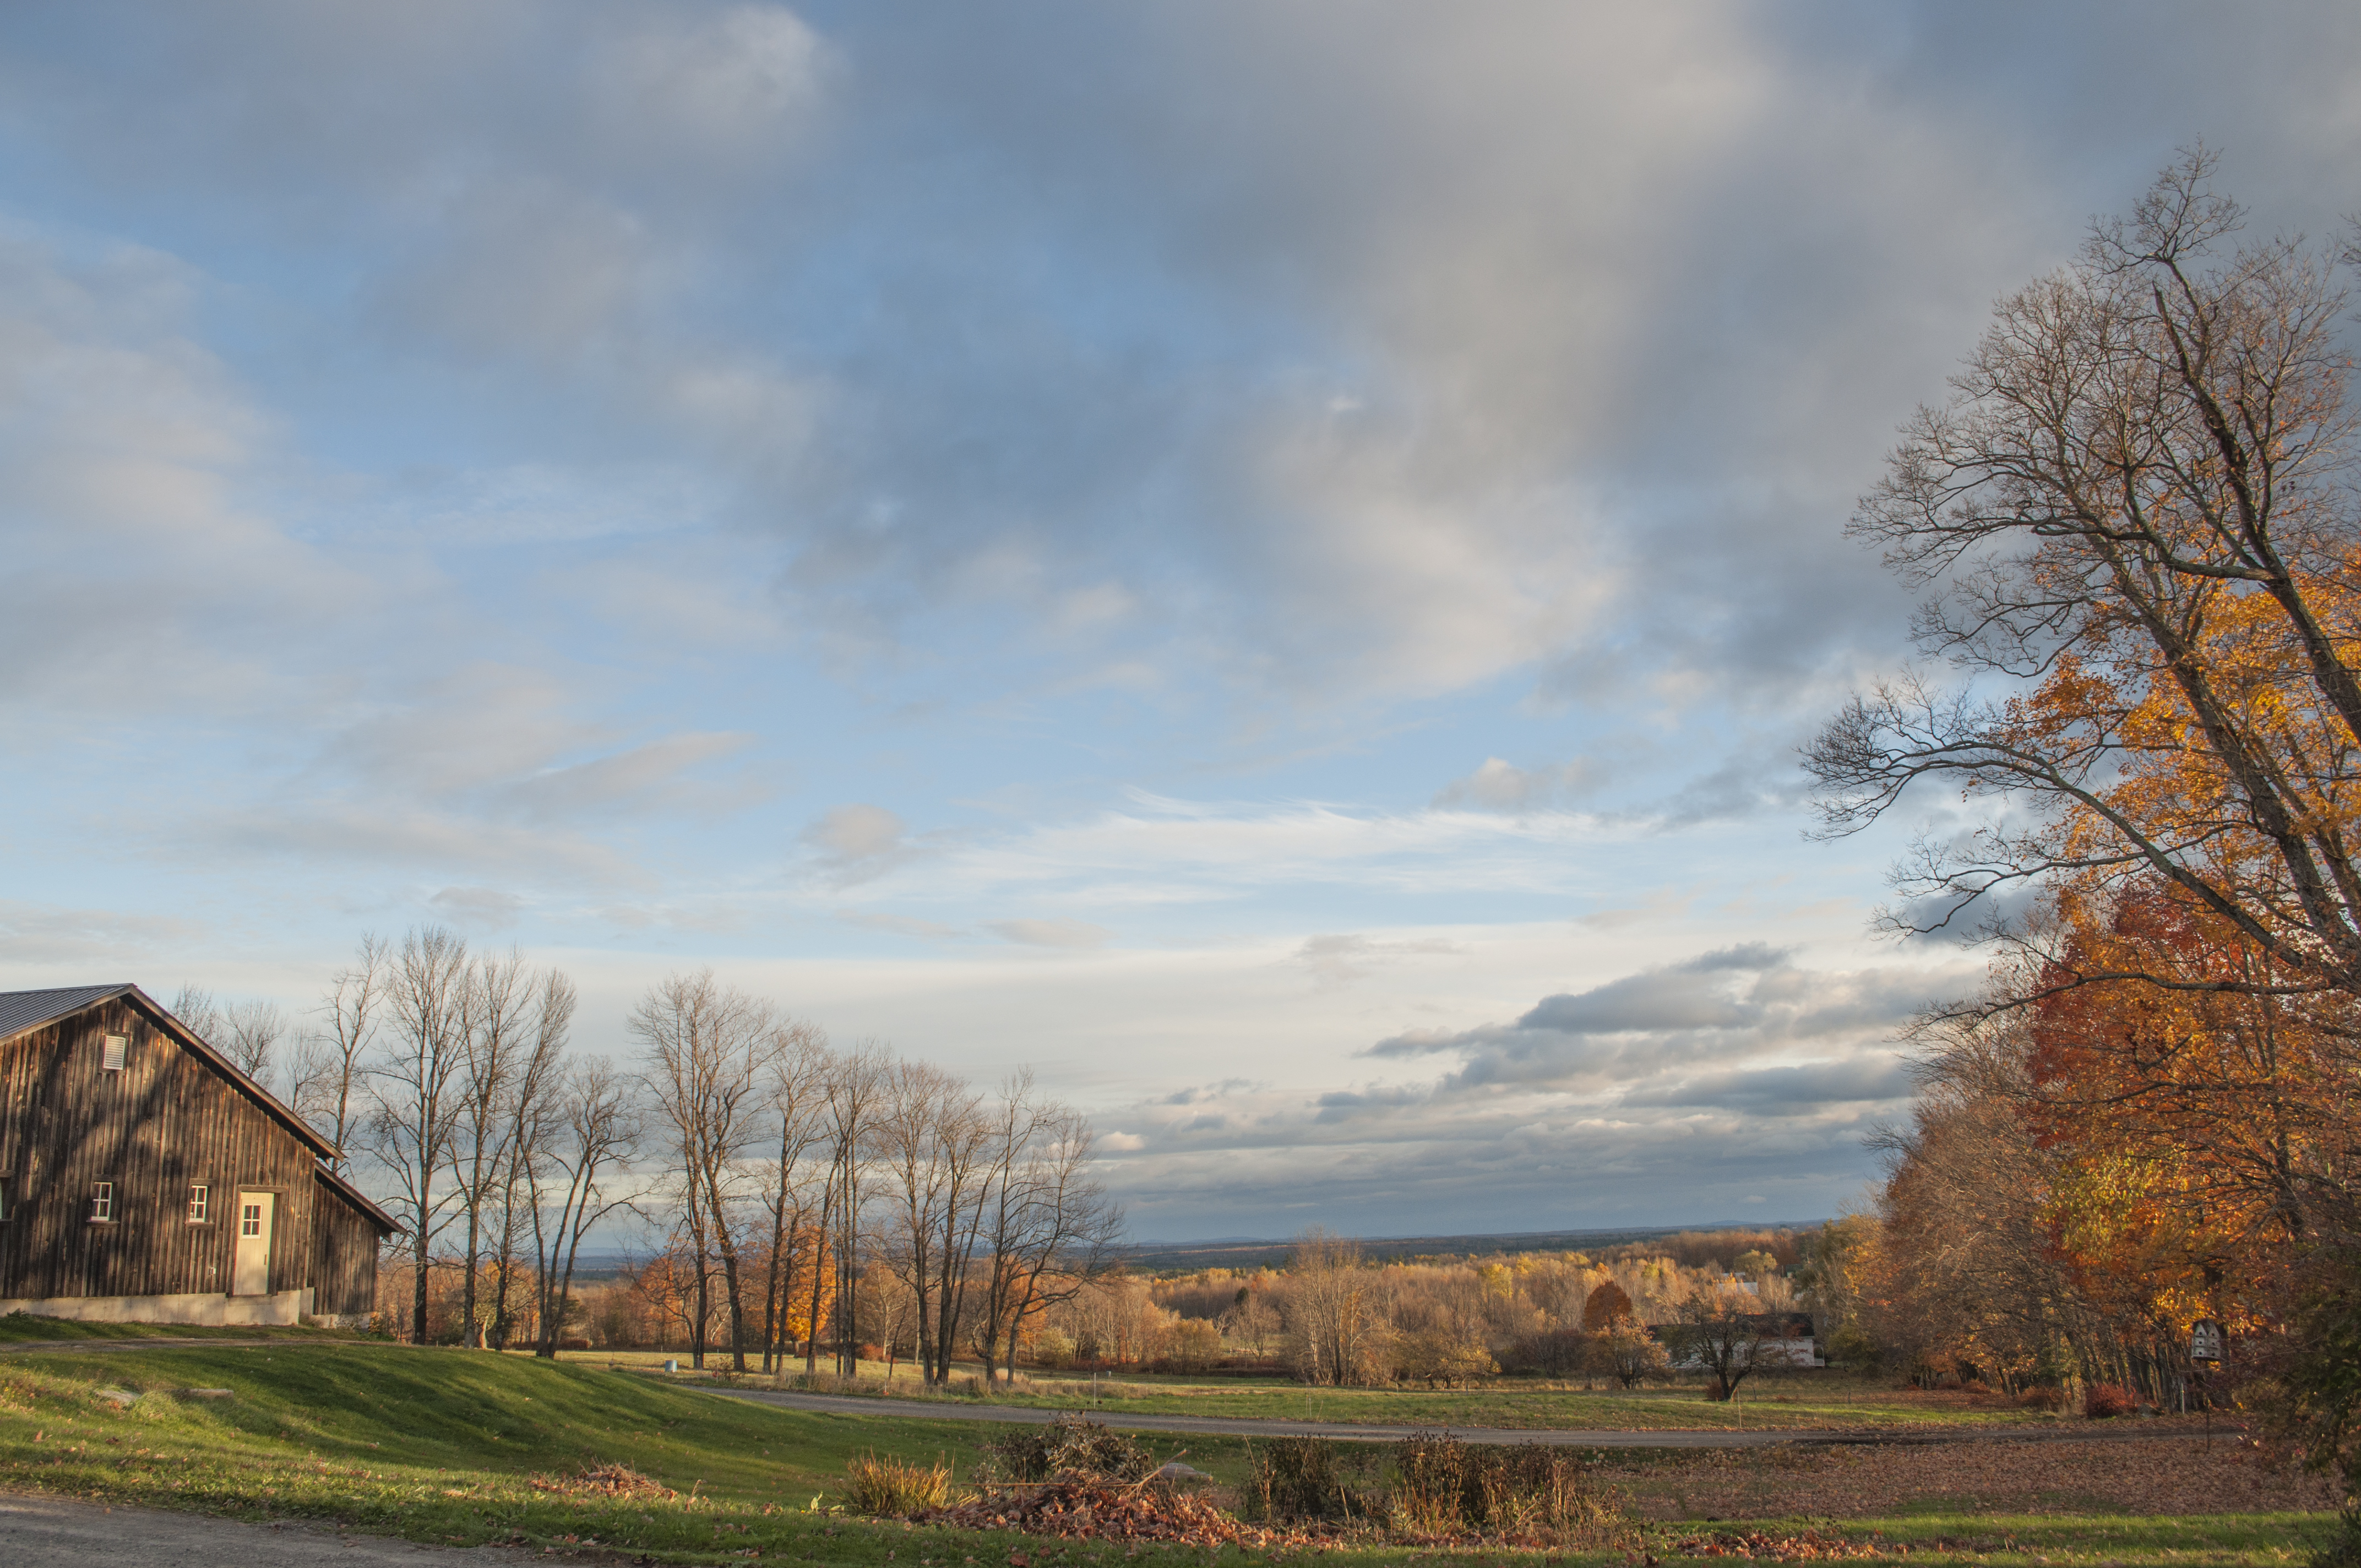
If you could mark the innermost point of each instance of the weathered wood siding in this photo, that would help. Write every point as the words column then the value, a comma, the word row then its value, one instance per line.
column 343, row 1257
column 163, row 1124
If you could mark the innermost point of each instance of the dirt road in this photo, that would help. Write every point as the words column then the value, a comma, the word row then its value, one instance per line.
column 71, row 1533
column 931, row 1410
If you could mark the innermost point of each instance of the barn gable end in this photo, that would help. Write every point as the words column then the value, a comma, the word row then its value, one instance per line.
column 102, row 1151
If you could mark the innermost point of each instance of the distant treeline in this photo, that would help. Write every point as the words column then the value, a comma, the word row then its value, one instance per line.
column 1694, row 1247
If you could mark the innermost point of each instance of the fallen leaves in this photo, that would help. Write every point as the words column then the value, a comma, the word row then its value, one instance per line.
column 602, row 1481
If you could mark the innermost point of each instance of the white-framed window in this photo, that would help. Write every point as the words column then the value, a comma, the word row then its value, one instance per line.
column 249, row 1219
column 102, row 1200
column 113, row 1052
column 197, row 1204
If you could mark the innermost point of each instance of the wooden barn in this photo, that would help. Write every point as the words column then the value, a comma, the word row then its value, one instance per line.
column 144, row 1178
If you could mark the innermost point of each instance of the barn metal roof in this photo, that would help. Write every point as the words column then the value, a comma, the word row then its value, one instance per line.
column 23, row 1010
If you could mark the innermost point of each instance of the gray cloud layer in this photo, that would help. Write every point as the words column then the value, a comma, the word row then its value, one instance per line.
column 1729, row 1075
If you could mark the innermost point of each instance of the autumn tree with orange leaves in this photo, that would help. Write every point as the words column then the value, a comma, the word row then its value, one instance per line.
column 2136, row 523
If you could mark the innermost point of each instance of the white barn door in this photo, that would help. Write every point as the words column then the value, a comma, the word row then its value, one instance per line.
column 251, row 1275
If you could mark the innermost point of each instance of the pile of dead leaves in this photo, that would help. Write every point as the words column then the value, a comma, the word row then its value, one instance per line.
column 1084, row 1507
column 604, row 1481
column 1761, row 1546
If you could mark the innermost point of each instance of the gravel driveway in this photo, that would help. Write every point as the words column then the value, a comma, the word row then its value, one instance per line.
column 71, row 1533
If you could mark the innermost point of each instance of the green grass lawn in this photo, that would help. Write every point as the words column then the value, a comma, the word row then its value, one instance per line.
column 20, row 1328
column 440, row 1446
column 1769, row 1402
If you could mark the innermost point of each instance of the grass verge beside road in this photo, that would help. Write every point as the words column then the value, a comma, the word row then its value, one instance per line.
column 443, row 1446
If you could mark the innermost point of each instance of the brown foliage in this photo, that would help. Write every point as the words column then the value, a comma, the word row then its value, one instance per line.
column 1605, row 1308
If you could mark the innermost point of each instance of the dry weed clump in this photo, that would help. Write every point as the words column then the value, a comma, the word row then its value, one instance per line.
column 886, row 1488
column 1071, row 1445
column 1313, row 1478
column 615, row 1481
column 1078, row 1479
column 1444, row 1489
column 1081, row 1507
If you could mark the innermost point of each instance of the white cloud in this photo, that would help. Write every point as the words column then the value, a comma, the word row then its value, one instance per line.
column 1338, row 959
column 1051, row 933
column 1502, row 786
column 486, row 907
column 859, row 843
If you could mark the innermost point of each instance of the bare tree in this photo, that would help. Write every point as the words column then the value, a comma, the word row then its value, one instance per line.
column 330, row 1065
column 706, row 1042
column 1723, row 1331
column 598, row 1129
column 796, row 1069
column 1049, row 1228
column 247, row 1032
column 930, row 1137
column 251, row 1035
column 499, row 997
column 849, row 1137
column 413, row 1089
column 194, row 1006
column 1337, row 1327
column 534, row 1117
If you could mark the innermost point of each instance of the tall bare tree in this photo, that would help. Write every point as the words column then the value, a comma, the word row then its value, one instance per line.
column 1049, row 1228
column 796, row 1068
column 492, row 1052
column 534, row 1117
column 413, row 1088
column 331, row 1068
column 574, row 1178
column 1337, row 1327
column 194, row 1006
column 247, row 1032
column 706, row 1042
column 930, row 1137
column 850, row 1139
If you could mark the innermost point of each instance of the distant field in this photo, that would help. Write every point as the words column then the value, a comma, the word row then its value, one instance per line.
column 443, row 1446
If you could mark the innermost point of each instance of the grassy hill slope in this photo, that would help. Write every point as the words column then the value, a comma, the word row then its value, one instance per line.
column 447, row 1446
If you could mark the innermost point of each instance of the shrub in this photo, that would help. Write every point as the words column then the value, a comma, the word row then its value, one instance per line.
column 1068, row 1445
column 2105, row 1402
column 1311, row 1478
column 2040, row 1398
column 887, row 1487
column 1442, row 1487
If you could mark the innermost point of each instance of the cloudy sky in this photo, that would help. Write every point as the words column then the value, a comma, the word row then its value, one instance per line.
column 1269, row 560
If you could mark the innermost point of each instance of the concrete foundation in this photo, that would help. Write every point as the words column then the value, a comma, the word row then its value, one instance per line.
column 281, row 1309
